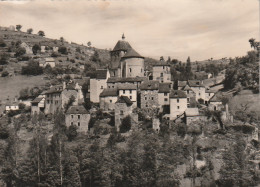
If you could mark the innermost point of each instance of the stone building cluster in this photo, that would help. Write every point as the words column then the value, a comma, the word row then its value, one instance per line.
column 125, row 85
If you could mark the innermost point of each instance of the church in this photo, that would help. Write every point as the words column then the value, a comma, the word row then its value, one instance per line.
column 125, row 61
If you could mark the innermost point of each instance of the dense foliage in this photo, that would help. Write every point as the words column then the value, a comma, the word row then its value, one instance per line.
column 32, row 68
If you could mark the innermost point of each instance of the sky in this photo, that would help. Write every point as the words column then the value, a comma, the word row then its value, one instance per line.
column 201, row 29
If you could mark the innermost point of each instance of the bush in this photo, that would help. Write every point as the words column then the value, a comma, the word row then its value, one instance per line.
column 4, row 59
column 72, row 132
column 13, row 113
column 201, row 101
column 19, row 51
column 63, row 50
column 125, row 125
column 32, row 68
column 5, row 74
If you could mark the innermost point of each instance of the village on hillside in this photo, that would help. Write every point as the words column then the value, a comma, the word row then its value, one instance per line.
column 77, row 94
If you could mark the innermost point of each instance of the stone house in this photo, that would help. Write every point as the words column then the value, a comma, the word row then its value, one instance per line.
column 198, row 87
column 37, row 105
column 164, row 95
column 191, row 95
column 46, row 61
column 178, row 103
column 77, row 115
column 181, row 84
column 112, row 82
column 27, row 48
column 162, row 72
column 149, row 94
column 208, row 95
column 215, row 103
column 12, row 106
column 67, row 93
column 98, row 84
column 108, row 98
column 123, row 108
column 53, row 99
column 129, row 90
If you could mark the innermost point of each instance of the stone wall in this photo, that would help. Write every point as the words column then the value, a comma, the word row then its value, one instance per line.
column 149, row 98
column 80, row 120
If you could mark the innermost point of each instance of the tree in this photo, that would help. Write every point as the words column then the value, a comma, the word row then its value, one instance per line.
column 72, row 132
column 4, row 59
column 18, row 27
column 63, row 50
column 2, row 43
column 41, row 33
column 89, row 44
column 20, row 51
column 5, row 74
column 161, row 58
column 95, row 57
column 29, row 31
column 236, row 168
column 126, row 124
column 36, row 48
column 62, row 39
column 32, row 68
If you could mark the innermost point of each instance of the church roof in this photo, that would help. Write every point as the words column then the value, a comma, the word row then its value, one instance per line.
column 131, row 53
column 122, row 45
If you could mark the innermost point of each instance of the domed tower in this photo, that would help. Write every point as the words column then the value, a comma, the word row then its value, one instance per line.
column 132, row 64
column 116, row 54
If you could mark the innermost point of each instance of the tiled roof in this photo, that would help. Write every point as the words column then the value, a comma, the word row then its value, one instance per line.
column 177, row 94
column 109, row 92
column 195, row 83
column 126, row 79
column 131, row 53
column 164, row 87
column 77, row 110
column 124, row 99
column 37, row 100
column 126, row 86
column 185, row 88
column 192, row 112
column 150, row 85
column 182, row 83
column 101, row 74
column 215, row 99
column 55, row 89
column 122, row 45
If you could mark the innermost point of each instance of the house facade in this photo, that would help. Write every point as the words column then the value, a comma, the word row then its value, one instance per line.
column 37, row 105
column 108, row 98
column 149, row 94
column 98, row 84
column 53, row 99
column 162, row 72
column 129, row 90
column 178, row 103
column 78, row 116
column 164, row 94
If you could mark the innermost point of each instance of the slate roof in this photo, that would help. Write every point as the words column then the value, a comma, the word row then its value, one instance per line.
column 77, row 110
column 55, row 89
column 215, row 99
column 122, row 45
column 182, row 83
column 126, row 87
column 177, row 94
column 126, row 79
column 149, row 85
column 195, row 83
column 192, row 112
column 124, row 99
column 164, row 87
column 109, row 92
column 37, row 100
column 101, row 74
column 131, row 53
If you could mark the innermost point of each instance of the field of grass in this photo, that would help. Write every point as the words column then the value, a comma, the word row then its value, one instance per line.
column 246, row 97
column 11, row 86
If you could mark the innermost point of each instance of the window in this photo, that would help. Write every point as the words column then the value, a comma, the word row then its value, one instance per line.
column 178, row 107
column 141, row 70
column 78, row 123
column 130, row 91
column 188, row 91
column 108, row 86
column 163, row 67
column 209, row 94
column 188, row 99
column 178, row 100
column 165, row 94
column 165, row 99
column 112, row 86
column 71, row 116
column 146, row 105
column 199, row 93
column 152, row 98
column 71, row 123
column 78, row 116
column 130, row 70
column 130, row 97
column 110, row 101
column 121, row 112
column 161, row 74
column 123, row 91
column 101, row 87
column 145, row 98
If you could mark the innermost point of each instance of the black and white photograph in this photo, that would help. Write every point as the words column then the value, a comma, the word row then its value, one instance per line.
column 129, row 93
